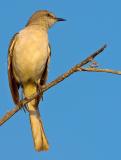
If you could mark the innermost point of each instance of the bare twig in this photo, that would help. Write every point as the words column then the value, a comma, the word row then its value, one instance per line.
column 74, row 69
column 100, row 70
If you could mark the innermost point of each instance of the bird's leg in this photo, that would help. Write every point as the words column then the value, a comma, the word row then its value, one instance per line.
column 20, row 104
column 24, row 108
column 39, row 90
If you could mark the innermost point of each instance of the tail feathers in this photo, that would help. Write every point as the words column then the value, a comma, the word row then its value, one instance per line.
column 39, row 138
column 40, row 141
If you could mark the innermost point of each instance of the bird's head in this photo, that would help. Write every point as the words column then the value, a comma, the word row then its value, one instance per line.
column 44, row 18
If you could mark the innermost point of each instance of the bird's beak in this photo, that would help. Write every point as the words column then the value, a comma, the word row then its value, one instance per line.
column 61, row 19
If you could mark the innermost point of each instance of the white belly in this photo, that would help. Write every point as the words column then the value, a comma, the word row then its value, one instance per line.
column 30, row 55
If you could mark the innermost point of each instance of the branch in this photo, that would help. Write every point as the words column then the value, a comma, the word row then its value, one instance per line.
column 99, row 70
column 44, row 88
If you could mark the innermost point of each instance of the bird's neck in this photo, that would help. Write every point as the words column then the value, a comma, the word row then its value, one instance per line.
column 41, row 26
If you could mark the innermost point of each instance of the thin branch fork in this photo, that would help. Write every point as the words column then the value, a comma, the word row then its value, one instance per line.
column 76, row 68
column 100, row 70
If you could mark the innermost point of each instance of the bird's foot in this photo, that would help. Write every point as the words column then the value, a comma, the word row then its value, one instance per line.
column 23, row 106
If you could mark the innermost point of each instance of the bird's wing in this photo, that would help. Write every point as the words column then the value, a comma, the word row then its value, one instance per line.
column 45, row 72
column 14, row 86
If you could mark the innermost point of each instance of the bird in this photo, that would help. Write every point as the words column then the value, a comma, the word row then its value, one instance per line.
column 28, row 59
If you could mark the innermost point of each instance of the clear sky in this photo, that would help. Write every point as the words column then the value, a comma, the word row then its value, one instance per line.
column 81, row 115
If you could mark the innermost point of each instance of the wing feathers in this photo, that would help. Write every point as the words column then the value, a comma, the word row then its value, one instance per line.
column 12, row 82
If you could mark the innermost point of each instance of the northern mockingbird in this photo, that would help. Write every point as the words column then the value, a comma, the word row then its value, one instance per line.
column 28, row 58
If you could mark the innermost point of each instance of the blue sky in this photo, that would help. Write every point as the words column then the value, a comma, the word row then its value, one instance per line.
column 82, row 115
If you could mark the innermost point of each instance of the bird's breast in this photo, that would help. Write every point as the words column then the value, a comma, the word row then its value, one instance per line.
column 30, row 54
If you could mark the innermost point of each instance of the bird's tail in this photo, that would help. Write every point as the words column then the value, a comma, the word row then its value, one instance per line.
column 39, row 138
